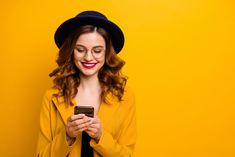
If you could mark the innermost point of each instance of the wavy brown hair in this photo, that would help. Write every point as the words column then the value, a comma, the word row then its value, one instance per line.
column 66, row 75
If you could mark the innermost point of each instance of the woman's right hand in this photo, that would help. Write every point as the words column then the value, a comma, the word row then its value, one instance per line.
column 77, row 123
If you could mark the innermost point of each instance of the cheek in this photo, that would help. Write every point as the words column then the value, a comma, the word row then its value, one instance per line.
column 76, row 59
column 102, row 62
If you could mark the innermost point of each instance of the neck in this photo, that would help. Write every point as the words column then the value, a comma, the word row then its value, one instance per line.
column 89, row 83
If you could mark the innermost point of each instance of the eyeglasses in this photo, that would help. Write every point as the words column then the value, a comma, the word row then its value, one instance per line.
column 97, row 51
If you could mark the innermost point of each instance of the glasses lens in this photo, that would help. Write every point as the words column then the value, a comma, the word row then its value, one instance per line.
column 98, row 53
column 80, row 51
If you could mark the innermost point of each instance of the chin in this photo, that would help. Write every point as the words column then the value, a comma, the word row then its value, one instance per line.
column 89, row 73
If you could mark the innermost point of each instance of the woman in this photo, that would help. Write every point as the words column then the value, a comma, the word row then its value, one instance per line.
column 88, row 74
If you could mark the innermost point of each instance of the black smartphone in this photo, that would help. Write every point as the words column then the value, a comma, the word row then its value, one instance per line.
column 87, row 110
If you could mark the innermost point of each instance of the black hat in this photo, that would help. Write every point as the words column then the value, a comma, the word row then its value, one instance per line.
column 90, row 18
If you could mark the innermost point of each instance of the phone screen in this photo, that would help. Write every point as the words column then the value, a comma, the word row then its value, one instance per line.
column 87, row 110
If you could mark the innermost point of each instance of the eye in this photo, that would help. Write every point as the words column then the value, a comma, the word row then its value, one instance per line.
column 97, row 50
column 81, row 50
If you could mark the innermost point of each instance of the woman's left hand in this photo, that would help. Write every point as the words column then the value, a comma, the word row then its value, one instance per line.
column 95, row 130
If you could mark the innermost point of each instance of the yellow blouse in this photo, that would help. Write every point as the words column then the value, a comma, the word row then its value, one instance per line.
column 118, row 120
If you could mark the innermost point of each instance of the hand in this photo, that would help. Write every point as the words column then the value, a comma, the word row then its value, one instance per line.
column 77, row 123
column 94, row 130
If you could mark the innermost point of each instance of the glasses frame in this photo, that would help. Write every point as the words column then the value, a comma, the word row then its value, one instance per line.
column 93, row 53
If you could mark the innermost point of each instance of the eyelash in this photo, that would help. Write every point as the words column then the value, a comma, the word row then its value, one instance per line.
column 80, row 50
column 96, row 51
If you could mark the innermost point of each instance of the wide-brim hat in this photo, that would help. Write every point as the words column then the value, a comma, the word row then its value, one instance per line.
column 90, row 18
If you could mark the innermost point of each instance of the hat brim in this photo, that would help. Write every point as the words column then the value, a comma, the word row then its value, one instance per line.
column 70, row 25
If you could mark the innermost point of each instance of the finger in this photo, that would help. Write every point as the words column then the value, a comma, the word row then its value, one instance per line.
column 94, row 126
column 91, row 133
column 71, row 132
column 93, row 130
column 82, row 127
column 80, row 121
column 93, row 121
column 77, row 116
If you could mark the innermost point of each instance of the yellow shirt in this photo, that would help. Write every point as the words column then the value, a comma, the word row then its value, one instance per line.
column 118, row 120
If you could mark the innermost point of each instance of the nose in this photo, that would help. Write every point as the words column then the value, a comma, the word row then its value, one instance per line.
column 88, row 56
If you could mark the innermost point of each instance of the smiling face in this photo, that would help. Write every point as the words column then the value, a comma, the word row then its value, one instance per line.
column 89, row 53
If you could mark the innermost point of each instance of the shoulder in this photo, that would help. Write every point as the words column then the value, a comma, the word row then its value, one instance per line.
column 48, row 97
column 128, row 98
column 128, row 94
column 50, row 92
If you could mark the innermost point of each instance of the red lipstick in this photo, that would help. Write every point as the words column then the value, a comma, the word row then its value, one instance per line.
column 88, row 65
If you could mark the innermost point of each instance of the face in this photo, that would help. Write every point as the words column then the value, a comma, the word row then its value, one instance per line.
column 89, row 53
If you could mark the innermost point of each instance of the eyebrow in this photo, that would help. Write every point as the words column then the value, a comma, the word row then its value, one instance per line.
column 98, row 46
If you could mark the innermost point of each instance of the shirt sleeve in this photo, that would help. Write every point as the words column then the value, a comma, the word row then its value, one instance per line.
column 49, row 145
column 124, row 145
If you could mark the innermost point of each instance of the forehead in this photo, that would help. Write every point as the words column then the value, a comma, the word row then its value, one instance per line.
column 90, row 40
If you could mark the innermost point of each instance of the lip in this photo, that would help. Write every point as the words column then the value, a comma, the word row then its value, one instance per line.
column 88, row 65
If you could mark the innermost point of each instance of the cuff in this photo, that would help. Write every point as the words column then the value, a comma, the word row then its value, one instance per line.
column 105, row 143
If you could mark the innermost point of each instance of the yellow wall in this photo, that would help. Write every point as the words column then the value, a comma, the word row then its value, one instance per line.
column 180, row 62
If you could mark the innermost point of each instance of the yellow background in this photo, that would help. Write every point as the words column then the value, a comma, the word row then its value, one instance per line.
column 180, row 62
